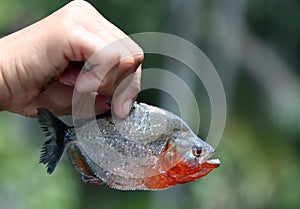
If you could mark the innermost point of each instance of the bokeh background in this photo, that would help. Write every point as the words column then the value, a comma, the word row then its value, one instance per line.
column 254, row 45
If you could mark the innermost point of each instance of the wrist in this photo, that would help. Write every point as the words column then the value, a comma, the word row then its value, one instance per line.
column 4, row 88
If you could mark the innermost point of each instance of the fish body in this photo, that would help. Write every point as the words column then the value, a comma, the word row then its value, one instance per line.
column 151, row 149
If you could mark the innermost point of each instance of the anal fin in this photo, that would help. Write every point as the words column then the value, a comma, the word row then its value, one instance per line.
column 91, row 180
column 81, row 166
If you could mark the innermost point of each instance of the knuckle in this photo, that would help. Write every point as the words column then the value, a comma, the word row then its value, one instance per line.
column 139, row 58
column 130, row 63
column 70, row 11
column 140, row 51
column 127, row 63
column 137, row 52
column 135, row 86
column 79, row 4
column 75, row 33
column 74, row 12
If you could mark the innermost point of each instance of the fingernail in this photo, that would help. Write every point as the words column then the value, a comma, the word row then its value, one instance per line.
column 68, row 80
column 68, row 83
column 126, row 107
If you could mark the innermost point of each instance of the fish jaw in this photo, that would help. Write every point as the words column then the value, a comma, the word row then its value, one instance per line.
column 184, row 172
column 181, row 173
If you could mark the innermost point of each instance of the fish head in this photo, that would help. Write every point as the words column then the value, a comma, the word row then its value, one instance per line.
column 183, row 145
column 187, row 157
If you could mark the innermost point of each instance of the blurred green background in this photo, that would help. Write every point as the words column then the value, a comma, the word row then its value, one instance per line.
column 254, row 45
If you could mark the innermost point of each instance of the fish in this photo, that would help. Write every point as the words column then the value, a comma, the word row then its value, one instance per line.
column 151, row 149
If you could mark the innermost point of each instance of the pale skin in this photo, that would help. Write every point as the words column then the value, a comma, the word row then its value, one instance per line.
column 39, row 64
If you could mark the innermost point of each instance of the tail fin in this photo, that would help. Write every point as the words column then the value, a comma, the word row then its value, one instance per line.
column 56, row 134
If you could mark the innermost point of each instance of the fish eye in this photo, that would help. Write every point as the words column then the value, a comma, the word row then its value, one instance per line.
column 197, row 151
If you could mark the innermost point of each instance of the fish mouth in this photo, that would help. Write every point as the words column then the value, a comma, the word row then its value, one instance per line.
column 214, row 162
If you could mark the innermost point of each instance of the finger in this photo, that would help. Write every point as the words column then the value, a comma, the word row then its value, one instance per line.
column 114, row 37
column 81, row 45
column 89, row 104
column 106, row 71
column 126, row 93
column 101, row 57
column 70, row 74
column 102, row 104
column 134, row 53
column 90, row 80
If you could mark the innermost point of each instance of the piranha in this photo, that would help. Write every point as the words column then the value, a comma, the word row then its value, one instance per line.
column 151, row 149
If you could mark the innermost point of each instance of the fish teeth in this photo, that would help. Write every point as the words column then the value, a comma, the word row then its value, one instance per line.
column 214, row 161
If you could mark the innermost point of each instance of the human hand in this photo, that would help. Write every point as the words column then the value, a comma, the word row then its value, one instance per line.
column 39, row 64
